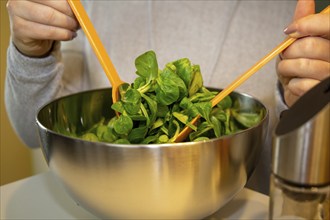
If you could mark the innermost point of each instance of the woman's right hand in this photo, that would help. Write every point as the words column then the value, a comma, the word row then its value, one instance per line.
column 36, row 24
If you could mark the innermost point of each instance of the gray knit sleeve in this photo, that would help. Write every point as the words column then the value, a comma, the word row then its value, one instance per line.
column 30, row 83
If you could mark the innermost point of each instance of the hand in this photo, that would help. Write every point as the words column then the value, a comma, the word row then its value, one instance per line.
column 307, row 61
column 36, row 24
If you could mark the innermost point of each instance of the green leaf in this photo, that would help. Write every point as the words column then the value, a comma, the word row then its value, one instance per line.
column 219, row 114
column 171, row 74
column 201, row 139
column 216, row 126
column 139, row 82
column 123, row 125
column 177, row 131
column 162, row 110
column 203, row 129
column 112, row 122
column 94, row 127
column 225, row 103
column 150, row 139
column 163, row 139
column 157, row 124
column 201, row 97
column 89, row 137
column 184, row 119
column 197, row 80
column 164, row 130
column 227, row 122
column 122, row 141
column 145, row 114
column 167, row 92
column 147, row 66
column 118, row 107
column 247, row 119
column 100, row 130
column 106, row 133
column 184, row 70
column 138, row 117
column 181, row 117
column 189, row 107
column 131, row 101
column 137, row 135
column 152, row 107
column 109, row 136
column 204, row 109
column 171, row 66
column 123, row 89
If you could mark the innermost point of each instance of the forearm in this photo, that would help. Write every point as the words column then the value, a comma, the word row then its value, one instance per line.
column 30, row 83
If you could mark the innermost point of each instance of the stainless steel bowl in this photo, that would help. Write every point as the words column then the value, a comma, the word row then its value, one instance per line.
column 170, row 181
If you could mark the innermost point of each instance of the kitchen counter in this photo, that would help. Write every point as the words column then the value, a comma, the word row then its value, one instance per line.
column 41, row 197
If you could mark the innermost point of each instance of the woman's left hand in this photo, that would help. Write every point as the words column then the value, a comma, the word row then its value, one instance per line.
column 307, row 61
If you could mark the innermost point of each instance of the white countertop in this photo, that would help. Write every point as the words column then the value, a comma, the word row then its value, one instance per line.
column 41, row 197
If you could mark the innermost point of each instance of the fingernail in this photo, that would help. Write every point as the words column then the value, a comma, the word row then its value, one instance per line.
column 74, row 35
column 280, row 56
column 78, row 28
column 291, row 30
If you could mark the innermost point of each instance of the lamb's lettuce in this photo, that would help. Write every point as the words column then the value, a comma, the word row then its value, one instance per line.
column 160, row 103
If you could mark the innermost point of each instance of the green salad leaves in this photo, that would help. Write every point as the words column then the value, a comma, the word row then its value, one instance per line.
column 160, row 103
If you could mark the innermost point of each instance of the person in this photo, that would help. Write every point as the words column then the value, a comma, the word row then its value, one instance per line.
column 49, row 56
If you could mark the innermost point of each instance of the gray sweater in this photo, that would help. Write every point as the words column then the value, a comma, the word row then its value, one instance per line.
column 224, row 37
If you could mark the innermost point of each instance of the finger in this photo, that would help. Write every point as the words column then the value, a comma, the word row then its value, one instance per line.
column 289, row 97
column 299, row 86
column 283, row 79
column 304, row 8
column 40, row 31
column 59, row 5
column 44, row 14
column 308, row 47
column 312, row 25
column 303, row 68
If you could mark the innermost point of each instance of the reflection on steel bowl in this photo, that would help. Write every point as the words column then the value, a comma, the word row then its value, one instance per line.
column 188, row 180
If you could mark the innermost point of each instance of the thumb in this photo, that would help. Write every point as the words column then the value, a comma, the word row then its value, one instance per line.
column 307, row 25
column 304, row 8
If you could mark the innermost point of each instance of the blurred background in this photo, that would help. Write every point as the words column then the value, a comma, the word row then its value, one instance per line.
column 17, row 161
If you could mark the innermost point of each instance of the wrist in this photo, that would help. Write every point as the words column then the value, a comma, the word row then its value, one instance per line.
column 41, row 50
